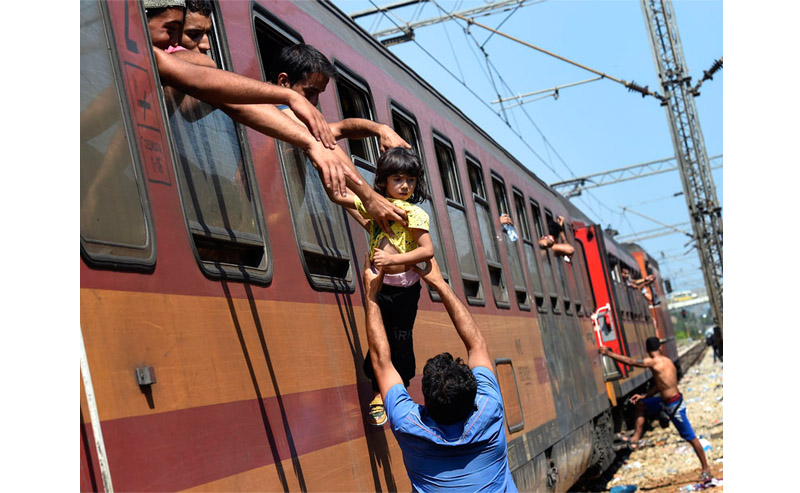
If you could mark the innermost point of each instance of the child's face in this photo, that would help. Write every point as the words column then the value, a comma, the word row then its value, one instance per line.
column 400, row 186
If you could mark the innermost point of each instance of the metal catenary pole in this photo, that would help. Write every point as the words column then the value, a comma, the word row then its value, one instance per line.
column 690, row 151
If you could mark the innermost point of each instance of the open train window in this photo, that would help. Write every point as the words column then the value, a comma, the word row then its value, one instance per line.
column 544, row 255
column 552, row 228
column 468, row 265
column 218, row 194
column 512, row 251
column 530, row 246
column 406, row 127
column 320, row 226
column 115, row 223
column 355, row 101
column 488, row 238
column 272, row 35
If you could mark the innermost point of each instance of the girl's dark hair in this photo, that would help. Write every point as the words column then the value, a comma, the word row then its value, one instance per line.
column 399, row 160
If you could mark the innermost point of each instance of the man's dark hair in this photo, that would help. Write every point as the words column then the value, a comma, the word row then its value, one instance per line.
column 154, row 8
column 652, row 344
column 202, row 7
column 300, row 61
column 449, row 388
column 399, row 160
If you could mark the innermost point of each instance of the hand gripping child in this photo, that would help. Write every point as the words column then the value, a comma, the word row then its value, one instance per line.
column 400, row 177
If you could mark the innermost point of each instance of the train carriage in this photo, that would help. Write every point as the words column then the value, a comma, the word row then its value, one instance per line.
column 221, row 305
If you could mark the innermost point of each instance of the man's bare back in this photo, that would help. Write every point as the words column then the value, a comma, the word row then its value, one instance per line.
column 665, row 375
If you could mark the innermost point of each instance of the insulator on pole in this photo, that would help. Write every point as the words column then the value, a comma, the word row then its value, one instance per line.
column 634, row 87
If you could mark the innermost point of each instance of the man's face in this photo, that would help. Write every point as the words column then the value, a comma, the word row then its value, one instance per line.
column 624, row 273
column 165, row 28
column 311, row 87
column 195, row 32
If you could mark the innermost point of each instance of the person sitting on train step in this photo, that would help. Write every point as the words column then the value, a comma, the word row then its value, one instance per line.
column 251, row 102
column 669, row 406
column 305, row 70
column 557, row 240
column 456, row 440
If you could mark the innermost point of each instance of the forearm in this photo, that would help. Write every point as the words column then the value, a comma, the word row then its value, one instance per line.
column 269, row 120
column 465, row 325
column 214, row 85
column 624, row 359
column 356, row 128
column 413, row 257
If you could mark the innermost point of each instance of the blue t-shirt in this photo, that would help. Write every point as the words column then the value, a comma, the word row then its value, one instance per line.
column 471, row 455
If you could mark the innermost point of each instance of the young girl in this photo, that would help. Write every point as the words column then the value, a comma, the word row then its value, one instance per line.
column 400, row 178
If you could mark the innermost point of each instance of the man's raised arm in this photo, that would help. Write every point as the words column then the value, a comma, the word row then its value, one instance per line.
column 380, row 353
column 646, row 363
column 467, row 328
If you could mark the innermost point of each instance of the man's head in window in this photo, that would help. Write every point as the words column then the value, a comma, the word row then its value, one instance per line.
column 197, row 25
column 164, row 21
column 305, row 70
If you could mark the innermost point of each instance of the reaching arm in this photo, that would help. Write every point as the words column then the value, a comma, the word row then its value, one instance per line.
column 380, row 353
column 468, row 331
column 360, row 128
column 422, row 253
column 193, row 76
column 645, row 363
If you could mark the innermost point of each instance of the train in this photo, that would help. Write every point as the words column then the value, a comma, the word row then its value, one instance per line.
column 221, row 306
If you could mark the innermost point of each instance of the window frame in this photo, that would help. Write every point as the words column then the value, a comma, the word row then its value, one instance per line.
column 504, row 300
column 347, row 76
column 215, row 269
column 453, row 178
column 121, row 261
column 397, row 110
column 528, row 239
column 503, row 207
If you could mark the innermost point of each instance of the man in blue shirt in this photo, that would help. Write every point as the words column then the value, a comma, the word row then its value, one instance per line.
column 457, row 440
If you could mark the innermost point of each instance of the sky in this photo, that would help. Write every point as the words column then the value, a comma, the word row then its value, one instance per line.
column 592, row 127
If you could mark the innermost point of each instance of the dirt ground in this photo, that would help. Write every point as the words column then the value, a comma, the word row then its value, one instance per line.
column 666, row 463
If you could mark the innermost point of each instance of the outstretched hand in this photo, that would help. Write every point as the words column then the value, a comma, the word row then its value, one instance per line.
column 372, row 280
column 313, row 119
column 389, row 138
column 603, row 350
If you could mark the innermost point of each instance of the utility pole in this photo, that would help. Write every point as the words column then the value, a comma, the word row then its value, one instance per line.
column 687, row 138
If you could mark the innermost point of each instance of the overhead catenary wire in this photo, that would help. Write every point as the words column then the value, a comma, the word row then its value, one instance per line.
column 631, row 85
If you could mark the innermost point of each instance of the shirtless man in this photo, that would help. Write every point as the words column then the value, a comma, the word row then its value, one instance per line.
column 665, row 377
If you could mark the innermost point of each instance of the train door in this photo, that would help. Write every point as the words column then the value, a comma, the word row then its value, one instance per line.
column 606, row 316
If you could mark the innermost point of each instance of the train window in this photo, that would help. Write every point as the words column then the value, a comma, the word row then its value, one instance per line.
column 219, row 196
column 320, row 226
column 115, row 223
column 406, row 127
column 552, row 228
column 545, row 258
column 530, row 247
column 272, row 35
column 355, row 101
column 512, row 251
column 486, row 225
column 467, row 263
column 507, row 379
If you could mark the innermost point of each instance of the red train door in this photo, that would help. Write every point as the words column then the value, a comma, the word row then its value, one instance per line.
column 605, row 319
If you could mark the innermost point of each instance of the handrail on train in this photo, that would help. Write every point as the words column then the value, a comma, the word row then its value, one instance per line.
column 99, row 444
